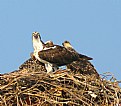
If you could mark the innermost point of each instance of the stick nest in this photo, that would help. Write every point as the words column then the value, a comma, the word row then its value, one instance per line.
column 61, row 88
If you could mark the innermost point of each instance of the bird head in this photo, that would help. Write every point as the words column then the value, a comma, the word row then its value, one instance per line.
column 36, row 36
column 37, row 42
column 67, row 44
column 49, row 43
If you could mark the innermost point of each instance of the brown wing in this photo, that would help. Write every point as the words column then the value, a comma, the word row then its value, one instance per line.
column 83, row 67
column 58, row 55
column 84, row 57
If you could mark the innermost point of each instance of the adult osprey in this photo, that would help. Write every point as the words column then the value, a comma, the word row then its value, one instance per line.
column 52, row 56
column 69, row 47
column 33, row 64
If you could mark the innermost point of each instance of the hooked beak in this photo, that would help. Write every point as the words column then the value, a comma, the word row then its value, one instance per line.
column 36, row 36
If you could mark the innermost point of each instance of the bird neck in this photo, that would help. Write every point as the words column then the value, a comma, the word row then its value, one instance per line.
column 38, row 45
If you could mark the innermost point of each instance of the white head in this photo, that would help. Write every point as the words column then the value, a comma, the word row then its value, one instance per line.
column 37, row 43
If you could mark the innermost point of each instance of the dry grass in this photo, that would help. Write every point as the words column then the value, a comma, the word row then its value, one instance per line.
column 62, row 88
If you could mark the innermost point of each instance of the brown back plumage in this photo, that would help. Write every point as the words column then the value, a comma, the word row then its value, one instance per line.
column 58, row 55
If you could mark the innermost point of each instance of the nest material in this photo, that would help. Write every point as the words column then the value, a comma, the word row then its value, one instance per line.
column 61, row 88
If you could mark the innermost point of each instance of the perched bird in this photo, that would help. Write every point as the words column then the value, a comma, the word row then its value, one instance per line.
column 52, row 56
column 33, row 64
column 82, row 66
column 69, row 47
column 39, row 45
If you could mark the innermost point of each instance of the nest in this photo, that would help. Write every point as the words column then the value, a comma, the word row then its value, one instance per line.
column 61, row 88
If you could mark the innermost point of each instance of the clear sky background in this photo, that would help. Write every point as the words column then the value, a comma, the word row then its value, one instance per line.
column 92, row 26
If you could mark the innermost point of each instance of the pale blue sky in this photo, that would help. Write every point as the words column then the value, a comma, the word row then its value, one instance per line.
column 92, row 26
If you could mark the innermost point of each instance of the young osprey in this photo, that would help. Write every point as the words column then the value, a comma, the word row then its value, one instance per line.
column 52, row 56
column 69, row 47
column 82, row 65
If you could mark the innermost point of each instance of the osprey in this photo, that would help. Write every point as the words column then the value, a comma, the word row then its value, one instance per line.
column 82, row 65
column 39, row 45
column 35, row 65
column 52, row 56
column 69, row 47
